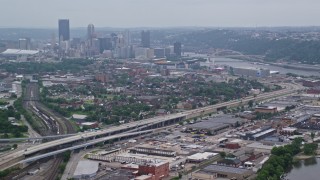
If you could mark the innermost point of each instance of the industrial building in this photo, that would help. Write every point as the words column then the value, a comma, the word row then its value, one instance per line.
column 288, row 131
column 214, row 171
column 251, row 72
column 86, row 169
column 153, row 151
column 266, row 109
column 259, row 133
column 199, row 157
column 216, row 124
column 157, row 170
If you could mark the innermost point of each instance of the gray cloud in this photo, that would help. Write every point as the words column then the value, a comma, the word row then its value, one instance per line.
column 158, row 13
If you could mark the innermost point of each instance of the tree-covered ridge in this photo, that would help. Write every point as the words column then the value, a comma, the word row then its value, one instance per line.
column 272, row 48
column 70, row 65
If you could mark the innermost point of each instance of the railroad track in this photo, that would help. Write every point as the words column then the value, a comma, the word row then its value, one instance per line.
column 52, row 124
column 54, row 168
column 21, row 173
column 65, row 126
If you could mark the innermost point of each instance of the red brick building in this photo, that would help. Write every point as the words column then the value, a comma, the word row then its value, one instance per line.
column 232, row 145
column 266, row 109
column 102, row 78
column 158, row 170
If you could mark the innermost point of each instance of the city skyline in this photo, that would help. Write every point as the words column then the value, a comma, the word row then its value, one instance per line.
column 156, row 13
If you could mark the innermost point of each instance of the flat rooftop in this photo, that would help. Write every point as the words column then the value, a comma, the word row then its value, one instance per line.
column 156, row 160
column 263, row 133
column 226, row 169
column 19, row 52
column 202, row 156
column 216, row 123
column 208, row 125
column 86, row 167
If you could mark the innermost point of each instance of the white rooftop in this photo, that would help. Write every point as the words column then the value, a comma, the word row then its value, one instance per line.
column 19, row 52
column 263, row 133
column 202, row 156
column 86, row 167
column 88, row 123
column 289, row 129
column 79, row 116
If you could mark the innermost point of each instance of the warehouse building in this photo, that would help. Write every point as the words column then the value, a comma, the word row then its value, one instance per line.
column 214, row 171
column 259, row 133
column 251, row 72
column 216, row 124
column 86, row 170
column 153, row 151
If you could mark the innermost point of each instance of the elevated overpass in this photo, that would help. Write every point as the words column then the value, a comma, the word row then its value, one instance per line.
column 81, row 146
column 36, row 138
column 151, row 123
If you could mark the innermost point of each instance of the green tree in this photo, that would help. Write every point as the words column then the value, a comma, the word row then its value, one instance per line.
column 312, row 135
column 309, row 149
column 223, row 154
column 14, row 146
column 250, row 103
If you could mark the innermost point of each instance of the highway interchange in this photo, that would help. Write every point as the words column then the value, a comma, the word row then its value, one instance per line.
column 156, row 122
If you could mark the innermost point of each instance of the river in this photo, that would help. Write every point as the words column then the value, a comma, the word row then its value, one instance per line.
column 243, row 64
column 305, row 170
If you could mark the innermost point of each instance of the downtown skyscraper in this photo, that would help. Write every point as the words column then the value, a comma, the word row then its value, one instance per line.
column 64, row 30
column 145, row 39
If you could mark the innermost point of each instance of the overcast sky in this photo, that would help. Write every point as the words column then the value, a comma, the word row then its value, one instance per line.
column 160, row 13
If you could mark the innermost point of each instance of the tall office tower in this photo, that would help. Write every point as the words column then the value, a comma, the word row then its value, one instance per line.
column 25, row 43
column 64, row 30
column 159, row 52
column 22, row 44
column 145, row 39
column 53, row 40
column 90, row 33
column 167, row 52
column 75, row 43
column 127, row 38
column 96, row 46
column 105, row 44
column 120, row 41
column 177, row 49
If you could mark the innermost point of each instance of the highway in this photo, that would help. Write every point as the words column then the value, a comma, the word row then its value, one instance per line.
column 5, row 161
column 54, row 124
column 36, row 137
column 89, row 143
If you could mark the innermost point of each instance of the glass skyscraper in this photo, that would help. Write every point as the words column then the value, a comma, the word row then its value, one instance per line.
column 64, row 30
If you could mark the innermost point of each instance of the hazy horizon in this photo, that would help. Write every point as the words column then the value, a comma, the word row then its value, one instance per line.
column 160, row 13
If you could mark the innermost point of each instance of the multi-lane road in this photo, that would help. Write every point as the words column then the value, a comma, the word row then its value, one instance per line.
column 7, row 161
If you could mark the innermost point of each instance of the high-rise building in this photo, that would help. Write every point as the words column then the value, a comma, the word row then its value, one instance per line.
column 167, row 52
column 25, row 44
column 64, row 30
column 145, row 39
column 120, row 41
column 95, row 46
column 159, row 52
column 75, row 43
column 177, row 49
column 90, row 31
column 105, row 44
column 90, row 34
column 53, row 40
column 127, row 38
